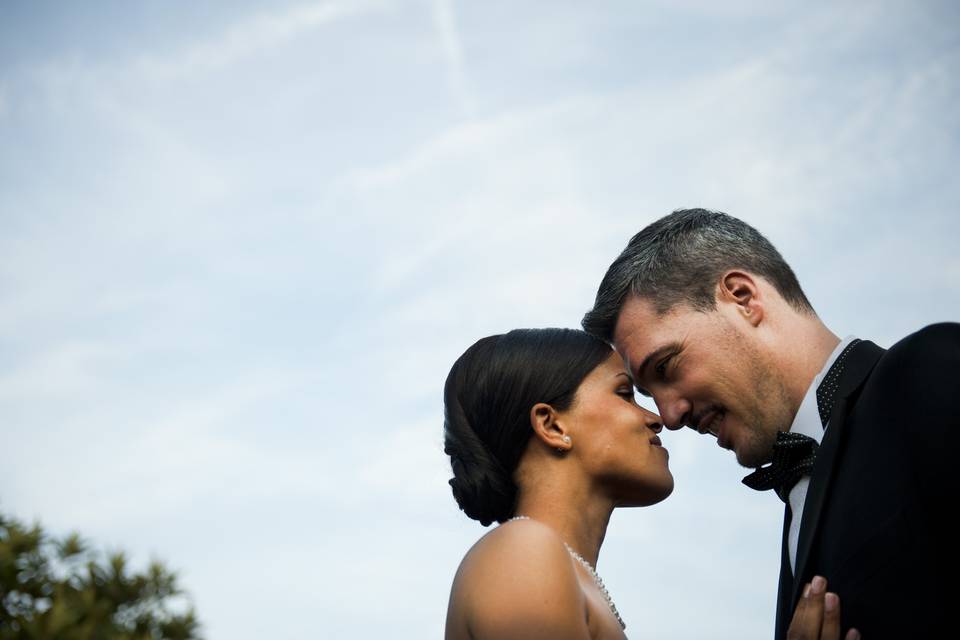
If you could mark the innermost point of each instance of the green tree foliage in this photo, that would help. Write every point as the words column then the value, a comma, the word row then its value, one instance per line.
column 61, row 589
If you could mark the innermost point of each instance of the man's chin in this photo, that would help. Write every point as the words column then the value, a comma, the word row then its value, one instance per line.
column 753, row 455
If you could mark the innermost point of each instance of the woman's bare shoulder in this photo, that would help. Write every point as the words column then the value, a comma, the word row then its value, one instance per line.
column 521, row 543
column 519, row 574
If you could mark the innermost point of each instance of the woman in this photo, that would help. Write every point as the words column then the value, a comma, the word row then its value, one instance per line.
column 545, row 436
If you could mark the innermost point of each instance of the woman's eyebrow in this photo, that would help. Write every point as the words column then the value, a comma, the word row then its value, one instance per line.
column 633, row 384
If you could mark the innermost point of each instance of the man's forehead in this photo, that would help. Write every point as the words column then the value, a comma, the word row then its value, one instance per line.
column 641, row 331
column 638, row 321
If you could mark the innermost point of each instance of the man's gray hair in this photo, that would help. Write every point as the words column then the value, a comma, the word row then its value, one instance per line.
column 680, row 259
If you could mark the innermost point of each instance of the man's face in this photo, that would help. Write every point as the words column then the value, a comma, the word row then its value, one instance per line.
column 708, row 371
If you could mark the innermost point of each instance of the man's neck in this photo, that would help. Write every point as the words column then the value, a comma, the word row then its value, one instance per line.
column 810, row 345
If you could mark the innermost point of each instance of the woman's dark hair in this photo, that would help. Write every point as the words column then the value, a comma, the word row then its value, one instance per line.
column 487, row 400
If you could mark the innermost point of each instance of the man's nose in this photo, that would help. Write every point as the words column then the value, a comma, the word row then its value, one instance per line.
column 675, row 411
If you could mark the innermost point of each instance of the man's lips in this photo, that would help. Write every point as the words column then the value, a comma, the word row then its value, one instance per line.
column 713, row 422
column 720, row 433
column 705, row 423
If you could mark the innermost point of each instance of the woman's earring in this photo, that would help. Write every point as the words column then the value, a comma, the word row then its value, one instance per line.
column 566, row 440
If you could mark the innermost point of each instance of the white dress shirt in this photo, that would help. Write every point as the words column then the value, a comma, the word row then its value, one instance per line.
column 807, row 422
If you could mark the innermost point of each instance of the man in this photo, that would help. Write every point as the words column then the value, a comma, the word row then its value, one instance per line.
column 857, row 441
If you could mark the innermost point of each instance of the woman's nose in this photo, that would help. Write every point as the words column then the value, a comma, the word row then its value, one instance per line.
column 653, row 422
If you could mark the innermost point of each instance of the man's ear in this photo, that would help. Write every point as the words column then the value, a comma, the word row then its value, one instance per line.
column 547, row 427
column 740, row 289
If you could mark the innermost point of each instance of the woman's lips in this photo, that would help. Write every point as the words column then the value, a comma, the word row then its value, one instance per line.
column 655, row 441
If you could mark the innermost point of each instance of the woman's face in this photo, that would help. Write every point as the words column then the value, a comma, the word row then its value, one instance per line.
column 615, row 439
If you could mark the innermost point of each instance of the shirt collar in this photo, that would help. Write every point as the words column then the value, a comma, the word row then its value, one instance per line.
column 807, row 420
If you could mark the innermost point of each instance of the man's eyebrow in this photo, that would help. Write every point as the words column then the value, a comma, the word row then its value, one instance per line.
column 640, row 373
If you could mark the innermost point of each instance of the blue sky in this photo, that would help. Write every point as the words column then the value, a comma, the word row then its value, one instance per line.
column 241, row 246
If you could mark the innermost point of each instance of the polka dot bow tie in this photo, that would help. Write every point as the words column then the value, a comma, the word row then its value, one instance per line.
column 793, row 458
column 795, row 453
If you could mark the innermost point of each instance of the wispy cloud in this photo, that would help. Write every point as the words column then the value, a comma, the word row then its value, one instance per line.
column 444, row 21
column 253, row 35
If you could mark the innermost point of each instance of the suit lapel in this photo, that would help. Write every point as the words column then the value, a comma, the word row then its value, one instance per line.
column 785, row 588
column 863, row 357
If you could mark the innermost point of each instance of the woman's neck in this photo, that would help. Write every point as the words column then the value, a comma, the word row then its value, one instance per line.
column 579, row 517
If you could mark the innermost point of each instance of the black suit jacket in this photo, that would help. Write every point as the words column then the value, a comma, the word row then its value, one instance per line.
column 883, row 490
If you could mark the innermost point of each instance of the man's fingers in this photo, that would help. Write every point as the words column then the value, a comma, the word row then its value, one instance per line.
column 831, row 617
column 853, row 634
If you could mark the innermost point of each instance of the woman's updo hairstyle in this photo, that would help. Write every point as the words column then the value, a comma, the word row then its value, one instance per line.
column 487, row 400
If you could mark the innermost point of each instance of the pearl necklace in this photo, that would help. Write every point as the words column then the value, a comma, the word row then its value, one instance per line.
column 593, row 574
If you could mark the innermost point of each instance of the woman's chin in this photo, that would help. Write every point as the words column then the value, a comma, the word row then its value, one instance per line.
column 649, row 495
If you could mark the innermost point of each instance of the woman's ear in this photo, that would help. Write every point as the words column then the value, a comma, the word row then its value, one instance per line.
column 548, row 428
column 740, row 289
